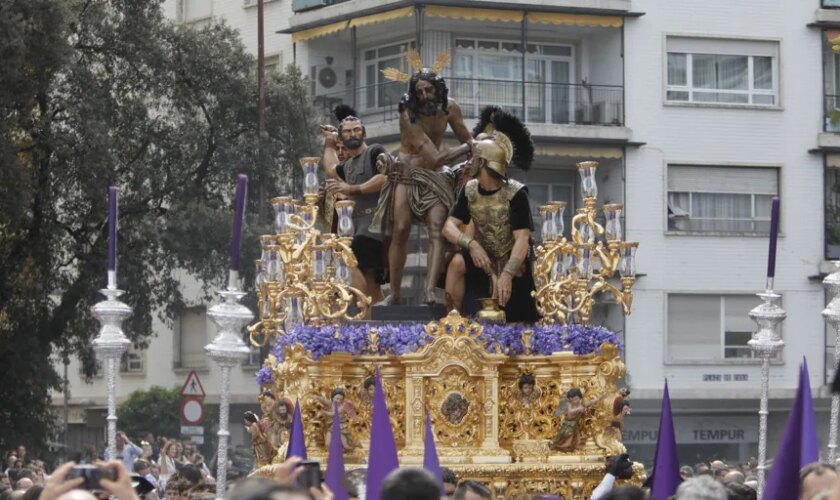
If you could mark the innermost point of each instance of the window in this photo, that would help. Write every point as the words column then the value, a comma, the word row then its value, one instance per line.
column 723, row 72
column 379, row 91
column 133, row 361
column 191, row 338
column 490, row 72
column 832, row 208
column 706, row 199
column 710, row 327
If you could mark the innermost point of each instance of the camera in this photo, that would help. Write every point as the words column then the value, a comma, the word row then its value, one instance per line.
column 250, row 417
column 311, row 475
column 92, row 474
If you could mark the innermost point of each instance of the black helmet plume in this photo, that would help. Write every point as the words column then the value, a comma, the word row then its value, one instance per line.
column 511, row 126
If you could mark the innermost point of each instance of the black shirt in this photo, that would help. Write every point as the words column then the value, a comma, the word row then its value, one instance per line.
column 520, row 209
column 373, row 150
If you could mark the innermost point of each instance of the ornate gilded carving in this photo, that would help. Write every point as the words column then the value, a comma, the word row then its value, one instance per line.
column 484, row 407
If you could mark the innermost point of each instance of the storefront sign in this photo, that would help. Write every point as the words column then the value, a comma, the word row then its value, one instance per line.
column 693, row 430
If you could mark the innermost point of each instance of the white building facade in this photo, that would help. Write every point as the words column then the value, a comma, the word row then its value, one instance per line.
column 698, row 113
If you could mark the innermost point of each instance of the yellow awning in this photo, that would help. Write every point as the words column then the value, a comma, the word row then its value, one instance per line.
column 311, row 33
column 382, row 17
column 579, row 151
column 471, row 14
column 575, row 19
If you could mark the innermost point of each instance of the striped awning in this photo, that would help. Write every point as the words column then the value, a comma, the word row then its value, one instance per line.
column 464, row 13
column 382, row 17
column 324, row 30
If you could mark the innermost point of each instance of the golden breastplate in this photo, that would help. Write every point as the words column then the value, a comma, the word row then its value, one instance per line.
column 491, row 216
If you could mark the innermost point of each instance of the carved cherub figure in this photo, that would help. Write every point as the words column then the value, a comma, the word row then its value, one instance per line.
column 571, row 410
column 528, row 392
column 346, row 414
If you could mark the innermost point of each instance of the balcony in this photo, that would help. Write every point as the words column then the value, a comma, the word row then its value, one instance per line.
column 533, row 102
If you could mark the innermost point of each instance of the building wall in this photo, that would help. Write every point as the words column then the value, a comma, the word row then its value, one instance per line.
column 714, row 135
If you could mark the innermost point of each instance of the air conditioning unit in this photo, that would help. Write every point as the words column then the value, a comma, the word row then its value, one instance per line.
column 329, row 79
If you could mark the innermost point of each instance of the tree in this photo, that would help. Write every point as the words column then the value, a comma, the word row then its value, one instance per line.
column 95, row 93
column 155, row 411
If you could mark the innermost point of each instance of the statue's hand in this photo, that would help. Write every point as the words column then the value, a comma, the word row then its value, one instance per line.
column 383, row 163
column 330, row 134
column 480, row 258
column 504, row 285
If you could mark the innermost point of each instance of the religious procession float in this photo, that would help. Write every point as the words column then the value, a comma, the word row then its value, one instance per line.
column 523, row 406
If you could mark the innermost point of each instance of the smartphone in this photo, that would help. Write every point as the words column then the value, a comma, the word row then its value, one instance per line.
column 92, row 474
column 311, row 475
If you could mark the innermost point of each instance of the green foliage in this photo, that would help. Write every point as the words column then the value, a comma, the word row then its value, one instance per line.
column 155, row 411
column 94, row 93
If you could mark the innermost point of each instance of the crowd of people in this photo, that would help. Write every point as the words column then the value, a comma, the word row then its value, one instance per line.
column 157, row 469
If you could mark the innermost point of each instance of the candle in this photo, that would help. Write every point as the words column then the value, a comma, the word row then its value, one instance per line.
column 112, row 236
column 238, row 217
column 774, row 233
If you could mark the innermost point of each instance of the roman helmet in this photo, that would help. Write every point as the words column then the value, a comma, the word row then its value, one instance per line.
column 501, row 139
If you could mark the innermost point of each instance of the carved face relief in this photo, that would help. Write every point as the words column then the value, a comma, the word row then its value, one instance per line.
column 455, row 407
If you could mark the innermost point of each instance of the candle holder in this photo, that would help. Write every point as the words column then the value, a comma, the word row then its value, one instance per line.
column 227, row 350
column 766, row 343
column 831, row 313
column 307, row 273
column 110, row 344
column 569, row 274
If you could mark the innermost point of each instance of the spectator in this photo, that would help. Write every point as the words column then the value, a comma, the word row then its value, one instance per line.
column 814, row 479
column 168, row 463
column 21, row 454
column 626, row 493
column 24, row 484
column 33, row 493
column 450, row 482
column 176, row 489
column 410, row 484
column 686, row 472
column 737, row 491
column 144, row 469
column 472, row 490
column 4, row 481
column 719, row 469
column 734, row 476
column 701, row 488
column 127, row 452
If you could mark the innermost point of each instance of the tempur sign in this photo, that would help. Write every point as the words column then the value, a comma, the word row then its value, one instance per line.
column 691, row 429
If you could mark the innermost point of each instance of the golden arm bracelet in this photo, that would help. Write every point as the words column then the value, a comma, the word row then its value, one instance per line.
column 464, row 241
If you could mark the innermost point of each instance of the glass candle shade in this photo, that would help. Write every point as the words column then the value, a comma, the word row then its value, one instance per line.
column 612, row 229
column 549, row 228
column 558, row 267
column 627, row 264
column 585, row 231
column 310, row 175
column 588, row 186
column 345, row 217
column 570, row 262
column 294, row 312
column 319, row 264
column 259, row 274
column 342, row 271
column 265, row 310
column 280, row 206
column 558, row 214
column 584, row 263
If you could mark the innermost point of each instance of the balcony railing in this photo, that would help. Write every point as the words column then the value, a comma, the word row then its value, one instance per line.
column 533, row 102
column 831, row 121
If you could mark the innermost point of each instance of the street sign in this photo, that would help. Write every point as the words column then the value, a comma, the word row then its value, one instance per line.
column 192, row 430
column 192, row 386
column 192, row 411
column 197, row 439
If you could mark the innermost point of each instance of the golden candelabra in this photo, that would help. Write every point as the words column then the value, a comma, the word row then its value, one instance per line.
column 304, row 275
column 569, row 274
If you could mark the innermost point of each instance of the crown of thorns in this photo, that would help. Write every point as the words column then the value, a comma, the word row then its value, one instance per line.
column 413, row 57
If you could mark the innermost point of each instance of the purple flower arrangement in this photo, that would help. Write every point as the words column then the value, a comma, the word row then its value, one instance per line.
column 403, row 338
